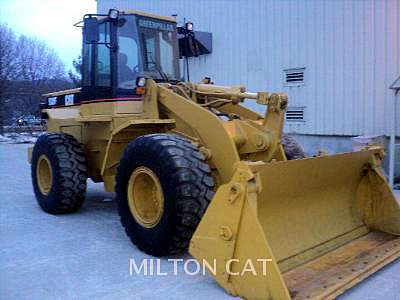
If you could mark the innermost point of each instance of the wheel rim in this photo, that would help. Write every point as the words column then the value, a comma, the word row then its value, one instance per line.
column 44, row 175
column 145, row 197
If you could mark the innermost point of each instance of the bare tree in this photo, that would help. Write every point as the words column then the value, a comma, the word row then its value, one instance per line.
column 8, row 66
column 37, row 61
column 39, row 67
column 28, row 68
column 76, row 75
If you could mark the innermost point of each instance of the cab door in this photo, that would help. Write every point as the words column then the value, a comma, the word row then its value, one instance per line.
column 97, row 66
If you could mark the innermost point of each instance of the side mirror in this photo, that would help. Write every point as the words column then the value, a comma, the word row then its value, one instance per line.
column 90, row 30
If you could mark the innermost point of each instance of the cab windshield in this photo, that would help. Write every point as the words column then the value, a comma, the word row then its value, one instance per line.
column 148, row 47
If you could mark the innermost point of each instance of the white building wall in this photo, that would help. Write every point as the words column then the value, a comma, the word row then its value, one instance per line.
column 350, row 49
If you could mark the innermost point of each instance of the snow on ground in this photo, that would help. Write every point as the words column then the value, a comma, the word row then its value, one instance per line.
column 19, row 138
column 86, row 255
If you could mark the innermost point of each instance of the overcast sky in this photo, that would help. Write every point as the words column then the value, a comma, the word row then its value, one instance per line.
column 49, row 20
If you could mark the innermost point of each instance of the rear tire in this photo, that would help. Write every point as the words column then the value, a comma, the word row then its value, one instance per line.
column 186, row 185
column 292, row 148
column 58, row 173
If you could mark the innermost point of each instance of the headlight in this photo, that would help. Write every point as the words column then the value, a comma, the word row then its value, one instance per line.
column 140, row 81
column 113, row 14
column 189, row 26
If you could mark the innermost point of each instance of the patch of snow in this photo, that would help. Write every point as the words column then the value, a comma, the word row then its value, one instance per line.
column 5, row 139
column 19, row 138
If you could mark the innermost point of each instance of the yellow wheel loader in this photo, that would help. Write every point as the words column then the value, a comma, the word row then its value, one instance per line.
column 194, row 169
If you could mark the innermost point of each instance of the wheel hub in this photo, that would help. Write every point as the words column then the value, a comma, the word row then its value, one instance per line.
column 145, row 197
column 44, row 174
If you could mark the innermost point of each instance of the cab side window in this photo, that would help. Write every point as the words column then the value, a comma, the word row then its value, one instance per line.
column 87, row 64
column 103, row 57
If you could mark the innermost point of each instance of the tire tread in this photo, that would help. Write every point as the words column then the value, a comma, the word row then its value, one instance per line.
column 193, row 187
column 70, row 184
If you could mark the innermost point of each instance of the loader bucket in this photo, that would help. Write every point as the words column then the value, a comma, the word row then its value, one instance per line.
column 301, row 229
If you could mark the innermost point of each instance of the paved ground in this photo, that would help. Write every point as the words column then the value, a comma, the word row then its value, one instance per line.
column 86, row 255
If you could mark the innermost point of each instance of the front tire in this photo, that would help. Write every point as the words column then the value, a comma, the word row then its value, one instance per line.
column 163, row 187
column 58, row 173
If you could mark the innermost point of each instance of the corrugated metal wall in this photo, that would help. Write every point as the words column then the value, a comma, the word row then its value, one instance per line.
column 350, row 50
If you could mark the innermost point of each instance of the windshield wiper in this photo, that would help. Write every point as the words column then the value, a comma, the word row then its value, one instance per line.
column 163, row 75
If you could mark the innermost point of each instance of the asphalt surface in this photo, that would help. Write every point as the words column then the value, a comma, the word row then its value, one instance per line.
column 87, row 255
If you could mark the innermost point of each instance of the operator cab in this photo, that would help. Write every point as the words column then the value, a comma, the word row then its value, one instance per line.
column 119, row 48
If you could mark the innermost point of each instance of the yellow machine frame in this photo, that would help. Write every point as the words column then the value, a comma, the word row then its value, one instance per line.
column 265, row 206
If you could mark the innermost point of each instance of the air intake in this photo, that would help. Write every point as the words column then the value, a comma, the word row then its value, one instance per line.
column 295, row 114
column 294, row 76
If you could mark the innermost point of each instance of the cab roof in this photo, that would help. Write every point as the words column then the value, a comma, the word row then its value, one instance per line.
column 145, row 14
